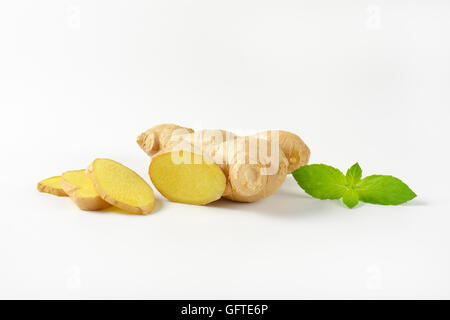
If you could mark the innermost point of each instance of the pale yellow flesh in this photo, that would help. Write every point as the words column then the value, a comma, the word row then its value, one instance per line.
column 80, row 180
column 197, row 182
column 121, row 186
column 81, row 190
column 52, row 185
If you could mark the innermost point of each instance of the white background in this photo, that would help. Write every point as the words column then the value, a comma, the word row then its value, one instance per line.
column 364, row 81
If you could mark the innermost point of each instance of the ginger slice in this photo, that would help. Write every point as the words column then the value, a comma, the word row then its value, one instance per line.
column 121, row 186
column 81, row 190
column 52, row 185
column 195, row 182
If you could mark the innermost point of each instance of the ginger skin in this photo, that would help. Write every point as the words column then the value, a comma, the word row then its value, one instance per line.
column 154, row 139
column 293, row 147
column 249, row 176
column 249, row 179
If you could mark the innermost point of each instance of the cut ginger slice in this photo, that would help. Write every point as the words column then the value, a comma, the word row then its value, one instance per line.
column 81, row 190
column 52, row 185
column 121, row 186
column 195, row 182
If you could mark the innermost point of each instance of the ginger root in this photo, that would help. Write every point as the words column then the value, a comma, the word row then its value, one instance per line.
column 156, row 138
column 293, row 147
column 81, row 190
column 198, row 182
column 52, row 185
column 255, row 166
column 121, row 187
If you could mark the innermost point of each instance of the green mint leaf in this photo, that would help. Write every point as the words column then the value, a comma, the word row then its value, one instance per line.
column 354, row 174
column 321, row 181
column 387, row 190
column 350, row 198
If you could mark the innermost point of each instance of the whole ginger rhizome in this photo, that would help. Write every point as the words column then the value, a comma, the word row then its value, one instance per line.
column 254, row 166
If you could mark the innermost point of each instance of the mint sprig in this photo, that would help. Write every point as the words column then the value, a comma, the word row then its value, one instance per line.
column 325, row 182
